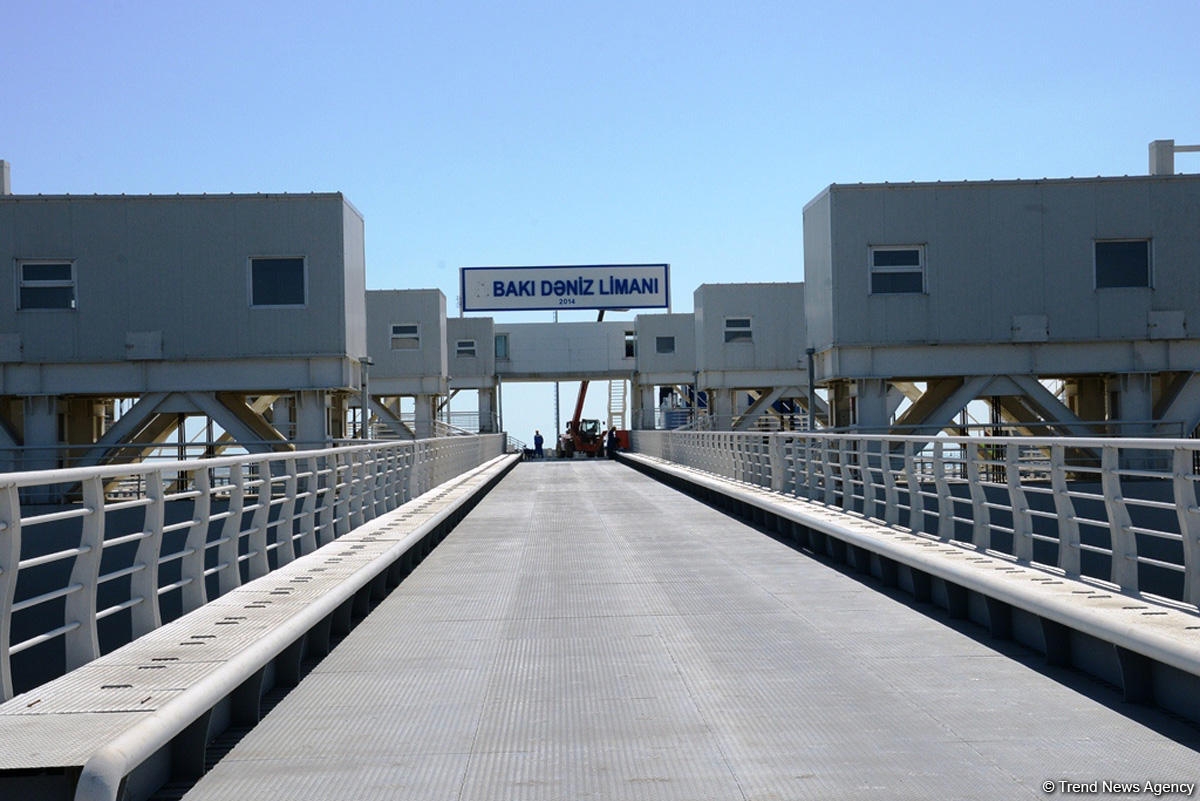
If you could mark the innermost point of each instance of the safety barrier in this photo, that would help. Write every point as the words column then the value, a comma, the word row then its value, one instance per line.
column 139, row 543
column 1123, row 511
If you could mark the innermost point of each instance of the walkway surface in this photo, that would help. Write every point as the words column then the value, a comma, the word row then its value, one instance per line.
column 587, row 633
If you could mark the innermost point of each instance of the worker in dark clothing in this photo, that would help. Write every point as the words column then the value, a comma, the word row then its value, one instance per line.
column 538, row 453
column 612, row 443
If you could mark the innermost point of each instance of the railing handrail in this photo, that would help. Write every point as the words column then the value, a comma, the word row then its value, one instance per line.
column 73, row 475
column 1145, row 443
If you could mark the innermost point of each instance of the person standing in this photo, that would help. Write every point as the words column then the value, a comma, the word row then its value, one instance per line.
column 538, row 441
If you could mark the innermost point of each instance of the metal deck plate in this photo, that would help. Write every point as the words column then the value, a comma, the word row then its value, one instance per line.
column 589, row 633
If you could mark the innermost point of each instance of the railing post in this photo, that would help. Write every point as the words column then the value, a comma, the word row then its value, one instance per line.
column 83, row 642
column 810, row 476
column 1064, row 509
column 945, row 498
column 191, row 566
column 891, row 495
column 343, row 473
column 1022, row 521
column 326, row 489
column 376, row 462
column 916, row 499
column 389, row 478
column 782, row 462
column 420, row 467
column 827, row 471
column 357, row 477
column 775, row 462
column 847, row 471
column 1121, row 535
column 285, row 524
column 395, row 486
column 258, row 564
column 406, row 478
column 146, row 616
column 10, row 557
column 981, row 519
column 308, row 508
column 229, row 574
column 1189, row 522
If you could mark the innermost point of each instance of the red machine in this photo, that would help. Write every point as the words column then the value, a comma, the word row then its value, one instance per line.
column 585, row 436
column 581, row 436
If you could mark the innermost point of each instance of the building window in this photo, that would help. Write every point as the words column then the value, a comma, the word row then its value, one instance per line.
column 277, row 281
column 664, row 344
column 406, row 336
column 501, row 346
column 464, row 348
column 45, row 285
column 897, row 269
column 630, row 344
column 1123, row 263
column 738, row 329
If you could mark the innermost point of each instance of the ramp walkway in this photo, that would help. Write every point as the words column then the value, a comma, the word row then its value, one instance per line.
column 589, row 633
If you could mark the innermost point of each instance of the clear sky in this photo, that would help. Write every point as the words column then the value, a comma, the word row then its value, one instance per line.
column 522, row 133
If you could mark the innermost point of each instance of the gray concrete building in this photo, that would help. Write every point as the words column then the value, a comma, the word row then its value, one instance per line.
column 471, row 351
column 664, row 381
column 750, row 353
column 1063, row 303
column 406, row 341
column 245, row 309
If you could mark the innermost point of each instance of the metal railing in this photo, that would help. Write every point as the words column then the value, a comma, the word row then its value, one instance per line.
column 1121, row 511
column 148, row 542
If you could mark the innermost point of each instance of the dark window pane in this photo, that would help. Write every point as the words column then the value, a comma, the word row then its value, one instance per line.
column 1122, row 264
column 47, row 297
column 45, row 272
column 277, row 282
column 739, row 335
column 895, row 283
column 897, row 258
column 664, row 344
column 737, row 322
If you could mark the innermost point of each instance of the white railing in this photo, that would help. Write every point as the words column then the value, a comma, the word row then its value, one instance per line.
column 167, row 537
column 1122, row 511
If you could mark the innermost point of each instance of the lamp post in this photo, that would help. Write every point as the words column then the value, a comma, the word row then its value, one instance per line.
column 364, row 400
column 812, row 390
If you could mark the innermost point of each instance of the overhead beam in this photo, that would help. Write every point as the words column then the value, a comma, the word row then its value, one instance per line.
column 129, row 427
column 761, row 405
column 1050, row 408
column 249, row 429
column 941, row 401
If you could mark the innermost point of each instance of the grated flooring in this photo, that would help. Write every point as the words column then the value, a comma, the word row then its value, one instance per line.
column 588, row 633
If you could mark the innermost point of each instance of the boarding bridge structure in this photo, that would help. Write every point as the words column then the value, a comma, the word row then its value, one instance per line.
column 763, row 615
column 590, row 629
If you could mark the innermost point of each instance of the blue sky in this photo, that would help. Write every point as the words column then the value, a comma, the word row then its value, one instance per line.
column 582, row 133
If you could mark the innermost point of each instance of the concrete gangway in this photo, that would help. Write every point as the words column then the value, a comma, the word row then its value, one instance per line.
column 588, row 632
